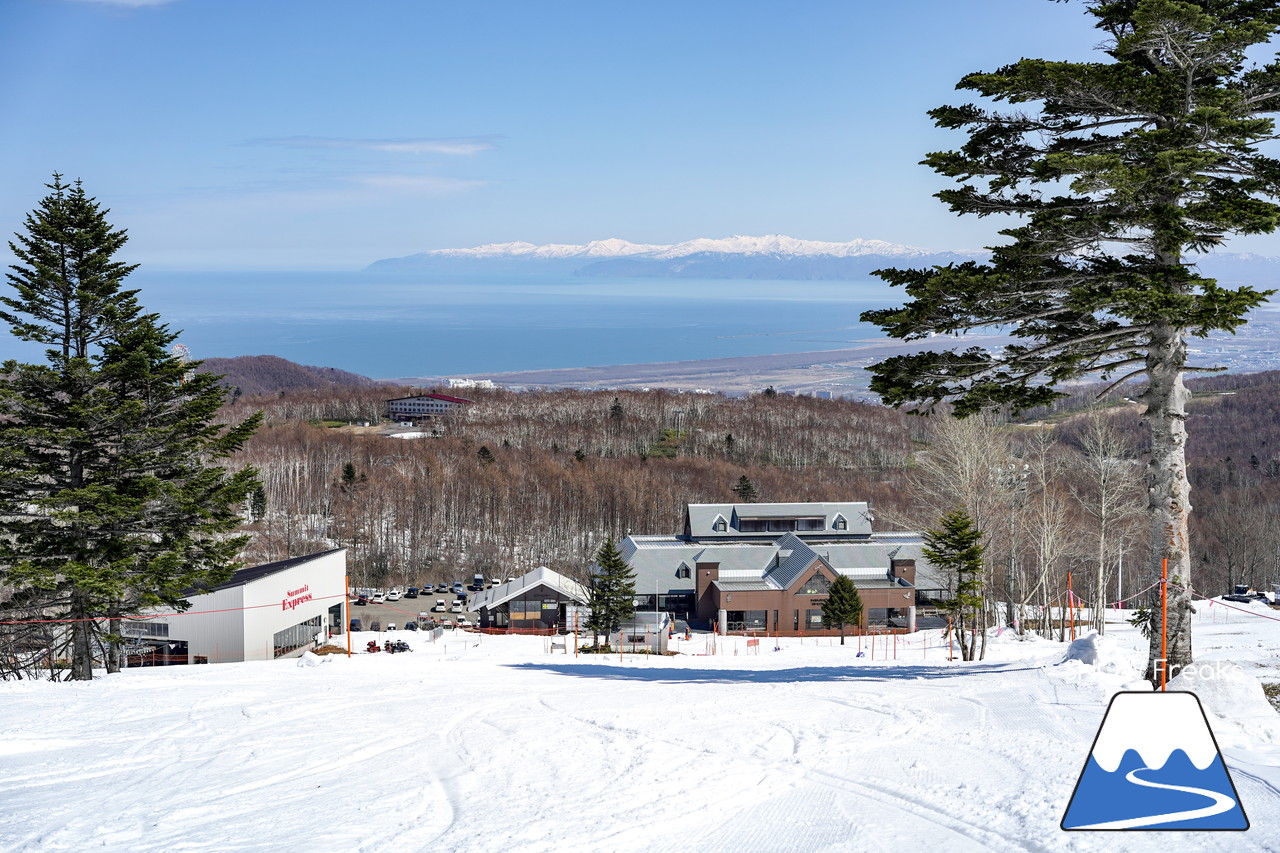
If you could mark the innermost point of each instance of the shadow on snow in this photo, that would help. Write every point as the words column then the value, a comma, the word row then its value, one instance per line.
column 675, row 675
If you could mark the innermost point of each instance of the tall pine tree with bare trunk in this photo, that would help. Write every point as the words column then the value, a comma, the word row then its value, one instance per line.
column 1123, row 171
column 113, row 497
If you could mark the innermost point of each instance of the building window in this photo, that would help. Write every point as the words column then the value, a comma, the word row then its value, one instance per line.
column 810, row 524
column 132, row 628
column 720, row 526
column 682, row 572
column 747, row 620
column 840, row 523
column 296, row 637
column 813, row 619
column 816, row 585
column 753, row 525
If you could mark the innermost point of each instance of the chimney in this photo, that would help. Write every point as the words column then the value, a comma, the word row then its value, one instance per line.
column 905, row 569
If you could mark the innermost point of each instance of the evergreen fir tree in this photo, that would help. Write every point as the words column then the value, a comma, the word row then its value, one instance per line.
column 105, row 447
column 485, row 455
column 956, row 548
column 258, row 504
column 611, row 593
column 745, row 490
column 615, row 410
column 843, row 605
column 1124, row 171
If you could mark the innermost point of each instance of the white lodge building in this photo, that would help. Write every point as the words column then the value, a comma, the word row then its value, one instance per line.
column 261, row 613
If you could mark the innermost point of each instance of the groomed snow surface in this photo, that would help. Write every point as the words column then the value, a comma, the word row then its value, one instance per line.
column 494, row 743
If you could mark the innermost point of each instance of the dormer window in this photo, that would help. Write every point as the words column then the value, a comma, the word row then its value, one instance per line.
column 840, row 523
column 720, row 525
column 683, row 572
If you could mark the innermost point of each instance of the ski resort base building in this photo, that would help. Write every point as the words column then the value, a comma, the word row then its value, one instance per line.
column 537, row 602
column 768, row 567
column 261, row 613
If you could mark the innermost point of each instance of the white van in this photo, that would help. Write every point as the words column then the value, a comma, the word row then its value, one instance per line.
column 439, row 608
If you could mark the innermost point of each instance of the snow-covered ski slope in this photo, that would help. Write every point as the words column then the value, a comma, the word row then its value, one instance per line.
column 481, row 744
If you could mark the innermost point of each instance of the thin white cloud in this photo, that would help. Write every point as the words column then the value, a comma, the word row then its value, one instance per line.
column 465, row 145
column 420, row 184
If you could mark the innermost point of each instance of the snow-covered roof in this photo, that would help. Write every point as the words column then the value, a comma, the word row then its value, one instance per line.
column 543, row 576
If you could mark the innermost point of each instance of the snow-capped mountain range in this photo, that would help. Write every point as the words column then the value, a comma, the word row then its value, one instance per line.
column 773, row 256
column 769, row 256
column 770, row 244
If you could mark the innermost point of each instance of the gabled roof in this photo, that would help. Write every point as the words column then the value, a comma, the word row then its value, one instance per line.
column 543, row 576
column 794, row 560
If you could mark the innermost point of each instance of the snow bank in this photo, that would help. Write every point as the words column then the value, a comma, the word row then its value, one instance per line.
column 1084, row 650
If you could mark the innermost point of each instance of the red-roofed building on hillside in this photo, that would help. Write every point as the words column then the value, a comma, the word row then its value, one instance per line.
column 423, row 406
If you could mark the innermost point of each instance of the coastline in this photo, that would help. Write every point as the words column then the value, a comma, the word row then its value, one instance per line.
column 838, row 372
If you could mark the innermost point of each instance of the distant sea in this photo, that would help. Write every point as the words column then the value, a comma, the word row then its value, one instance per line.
column 385, row 326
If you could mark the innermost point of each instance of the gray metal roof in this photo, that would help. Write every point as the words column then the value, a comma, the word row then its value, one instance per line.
column 702, row 518
column 776, row 559
column 503, row 593
column 744, row 586
column 794, row 560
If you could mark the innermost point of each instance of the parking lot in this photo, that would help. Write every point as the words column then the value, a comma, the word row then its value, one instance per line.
column 400, row 612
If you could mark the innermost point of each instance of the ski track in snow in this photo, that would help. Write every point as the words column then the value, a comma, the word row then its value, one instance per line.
column 492, row 743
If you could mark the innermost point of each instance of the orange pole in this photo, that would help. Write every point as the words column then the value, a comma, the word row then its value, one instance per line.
column 1164, row 623
column 1071, row 606
column 346, row 581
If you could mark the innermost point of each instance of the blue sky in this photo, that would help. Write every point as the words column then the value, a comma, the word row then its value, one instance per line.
column 306, row 134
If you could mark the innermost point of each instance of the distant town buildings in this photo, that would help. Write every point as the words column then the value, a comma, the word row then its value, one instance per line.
column 470, row 383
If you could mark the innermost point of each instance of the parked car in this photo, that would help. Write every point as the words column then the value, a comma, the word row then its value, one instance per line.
column 356, row 625
column 375, row 625
column 423, row 615
column 391, row 626
column 411, row 625
column 394, row 595
column 379, row 598
column 439, row 608
column 412, row 592
column 458, row 587
column 463, row 622
column 361, row 601
column 456, row 607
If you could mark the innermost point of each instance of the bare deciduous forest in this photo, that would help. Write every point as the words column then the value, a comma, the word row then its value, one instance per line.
column 519, row 480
